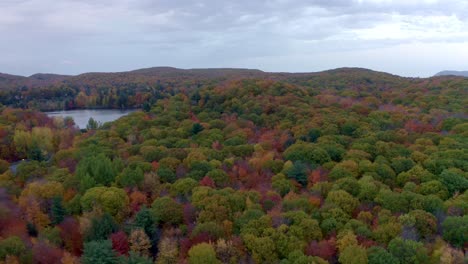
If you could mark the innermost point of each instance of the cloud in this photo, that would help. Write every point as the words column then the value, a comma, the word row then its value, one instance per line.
column 109, row 35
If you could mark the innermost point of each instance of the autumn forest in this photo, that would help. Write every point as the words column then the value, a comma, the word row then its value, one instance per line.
column 344, row 166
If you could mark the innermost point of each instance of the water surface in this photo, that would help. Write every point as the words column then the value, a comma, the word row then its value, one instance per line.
column 81, row 117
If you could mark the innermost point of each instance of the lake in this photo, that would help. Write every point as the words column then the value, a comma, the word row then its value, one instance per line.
column 81, row 117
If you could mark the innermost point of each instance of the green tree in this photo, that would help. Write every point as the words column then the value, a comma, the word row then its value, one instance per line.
column 130, row 177
column 166, row 174
column 408, row 251
column 455, row 230
column 353, row 255
column 378, row 255
column 298, row 172
column 454, row 180
column 281, row 184
column 183, row 187
column 144, row 220
column 219, row 177
column 343, row 200
column 57, row 210
column 99, row 167
column 263, row 248
column 135, row 258
column 101, row 228
column 196, row 128
column 425, row 223
column 92, row 124
column 307, row 152
column 202, row 253
column 166, row 210
column 99, row 252
column 111, row 199
column 12, row 246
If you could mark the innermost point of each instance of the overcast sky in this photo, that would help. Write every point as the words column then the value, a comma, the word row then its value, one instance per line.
column 405, row 37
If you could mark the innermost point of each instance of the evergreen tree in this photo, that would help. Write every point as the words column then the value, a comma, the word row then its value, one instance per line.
column 92, row 124
column 197, row 128
column 101, row 228
column 298, row 172
column 99, row 251
column 57, row 211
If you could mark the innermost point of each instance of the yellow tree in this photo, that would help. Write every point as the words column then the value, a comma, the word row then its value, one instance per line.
column 139, row 242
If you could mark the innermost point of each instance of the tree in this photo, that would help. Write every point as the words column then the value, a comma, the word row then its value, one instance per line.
column 135, row 258
column 220, row 177
column 139, row 242
column 101, row 228
column 454, row 180
column 378, row 255
column 12, row 245
column 183, row 187
column 71, row 235
column 262, row 248
column 298, row 172
column 146, row 107
column 120, row 243
column 57, row 210
column 343, row 200
column 92, row 124
column 196, row 128
column 51, row 235
column 325, row 249
column 280, row 184
column 69, row 259
column 99, row 167
column 408, row 251
column 226, row 252
column 99, row 251
column 44, row 253
column 203, row 253
column 168, row 251
column 166, row 210
column 455, row 230
column 313, row 134
column 144, row 221
column 425, row 222
column 308, row 153
column 346, row 239
column 353, row 255
column 111, row 199
column 130, row 177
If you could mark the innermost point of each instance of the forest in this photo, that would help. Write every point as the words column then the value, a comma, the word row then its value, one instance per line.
column 345, row 166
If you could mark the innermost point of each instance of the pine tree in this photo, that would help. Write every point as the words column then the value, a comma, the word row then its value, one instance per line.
column 57, row 211
column 99, row 251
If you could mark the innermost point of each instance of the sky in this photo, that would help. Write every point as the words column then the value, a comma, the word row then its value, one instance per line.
column 406, row 37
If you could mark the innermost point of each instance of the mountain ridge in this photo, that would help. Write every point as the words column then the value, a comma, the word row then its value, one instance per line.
column 168, row 69
column 452, row 73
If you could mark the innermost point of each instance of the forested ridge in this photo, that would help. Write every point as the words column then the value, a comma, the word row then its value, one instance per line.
column 135, row 88
column 235, row 166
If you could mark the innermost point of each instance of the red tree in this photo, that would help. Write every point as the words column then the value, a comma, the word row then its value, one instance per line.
column 71, row 235
column 120, row 243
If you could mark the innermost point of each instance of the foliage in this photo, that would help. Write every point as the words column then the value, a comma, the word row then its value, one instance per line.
column 99, row 251
column 455, row 230
column 235, row 166
column 201, row 254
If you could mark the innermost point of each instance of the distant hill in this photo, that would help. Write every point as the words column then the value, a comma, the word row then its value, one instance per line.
column 175, row 75
column 453, row 73
column 133, row 89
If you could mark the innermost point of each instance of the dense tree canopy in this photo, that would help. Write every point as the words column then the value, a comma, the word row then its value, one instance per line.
column 346, row 166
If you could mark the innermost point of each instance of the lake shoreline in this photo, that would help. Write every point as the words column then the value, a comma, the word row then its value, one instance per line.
column 82, row 116
column 78, row 109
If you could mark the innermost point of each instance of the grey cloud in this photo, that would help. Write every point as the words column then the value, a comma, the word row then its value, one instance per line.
column 39, row 35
